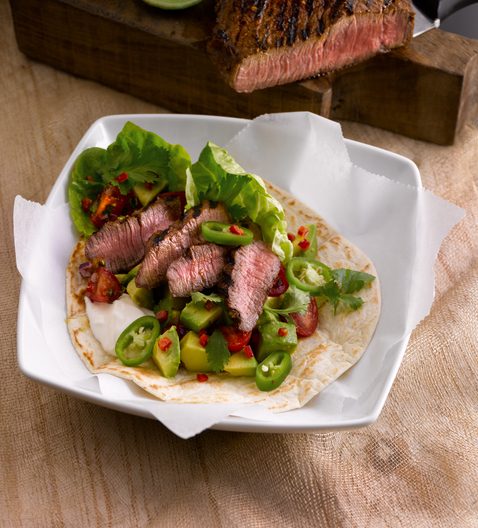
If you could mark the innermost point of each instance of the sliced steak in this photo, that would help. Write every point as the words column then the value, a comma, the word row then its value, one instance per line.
column 121, row 243
column 262, row 43
column 253, row 274
column 201, row 268
column 168, row 246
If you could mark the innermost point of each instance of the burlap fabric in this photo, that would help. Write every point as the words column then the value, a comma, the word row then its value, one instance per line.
column 64, row 462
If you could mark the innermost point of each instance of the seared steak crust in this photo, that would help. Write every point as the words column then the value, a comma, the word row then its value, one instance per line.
column 253, row 274
column 261, row 43
column 201, row 268
column 168, row 246
column 121, row 243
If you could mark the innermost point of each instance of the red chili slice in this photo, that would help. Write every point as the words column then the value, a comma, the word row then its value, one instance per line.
column 203, row 339
column 86, row 204
column 236, row 230
column 162, row 316
column 280, row 284
column 164, row 343
column 304, row 244
column 202, row 377
column 122, row 177
column 306, row 324
column 103, row 287
column 248, row 351
column 236, row 339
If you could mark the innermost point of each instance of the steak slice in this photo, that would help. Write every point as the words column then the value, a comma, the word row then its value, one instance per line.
column 202, row 268
column 168, row 246
column 121, row 243
column 261, row 43
column 253, row 274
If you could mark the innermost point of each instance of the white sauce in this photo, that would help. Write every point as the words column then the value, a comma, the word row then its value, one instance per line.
column 107, row 321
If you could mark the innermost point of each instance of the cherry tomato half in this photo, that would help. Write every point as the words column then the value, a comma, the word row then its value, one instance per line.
column 307, row 323
column 236, row 339
column 111, row 204
column 103, row 286
column 280, row 284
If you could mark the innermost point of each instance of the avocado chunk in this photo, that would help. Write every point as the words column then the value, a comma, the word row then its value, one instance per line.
column 147, row 192
column 124, row 278
column 311, row 238
column 273, row 341
column 166, row 355
column 141, row 296
column 241, row 365
column 193, row 355
column 199, row 315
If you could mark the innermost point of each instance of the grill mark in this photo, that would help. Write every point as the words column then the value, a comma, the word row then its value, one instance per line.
column 349, row 6
column 309, row 7
column 261, row 7
column 292, row 29
column 334, row 12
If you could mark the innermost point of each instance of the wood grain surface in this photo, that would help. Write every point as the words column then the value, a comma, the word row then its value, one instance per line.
column 422, row 91
column 64, row 462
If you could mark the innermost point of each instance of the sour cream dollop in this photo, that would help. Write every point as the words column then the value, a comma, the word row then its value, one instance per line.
column 107, row 321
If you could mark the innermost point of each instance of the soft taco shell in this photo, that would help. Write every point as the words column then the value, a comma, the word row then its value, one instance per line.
column 337, row 344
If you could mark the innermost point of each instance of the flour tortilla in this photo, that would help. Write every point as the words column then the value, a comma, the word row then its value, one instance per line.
column 337, row 344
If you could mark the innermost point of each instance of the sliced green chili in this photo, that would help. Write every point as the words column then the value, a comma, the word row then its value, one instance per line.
column 273, row 371
column 226, row 234
column 308, row 274
column 135, row 344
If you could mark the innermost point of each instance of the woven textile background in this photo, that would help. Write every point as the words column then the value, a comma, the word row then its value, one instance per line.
column 64, row 462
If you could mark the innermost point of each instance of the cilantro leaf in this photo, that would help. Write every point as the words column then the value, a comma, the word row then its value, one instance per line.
column 217, row 351
column 339, row 291
column 350, row 281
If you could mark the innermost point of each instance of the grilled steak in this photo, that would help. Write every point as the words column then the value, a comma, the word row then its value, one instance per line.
column 168, row 246
column 202, row 268
column 253, row 274
column 262, row 43
column 122, row 243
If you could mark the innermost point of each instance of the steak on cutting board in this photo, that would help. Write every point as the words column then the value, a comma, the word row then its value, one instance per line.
column 261, row 43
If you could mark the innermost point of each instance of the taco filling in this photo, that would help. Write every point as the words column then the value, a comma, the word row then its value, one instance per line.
column 202, row 283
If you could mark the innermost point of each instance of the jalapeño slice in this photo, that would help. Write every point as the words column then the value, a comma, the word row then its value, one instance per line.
column 273, row 371
column 226, row 234
column 308, row 274
column 136, row 341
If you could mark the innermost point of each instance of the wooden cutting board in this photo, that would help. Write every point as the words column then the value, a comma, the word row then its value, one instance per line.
column 424, row 91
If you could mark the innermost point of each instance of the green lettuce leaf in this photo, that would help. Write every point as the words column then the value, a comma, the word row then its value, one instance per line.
column 146, row 157
column 143, row 155
column 86, row 181
column 216, row 176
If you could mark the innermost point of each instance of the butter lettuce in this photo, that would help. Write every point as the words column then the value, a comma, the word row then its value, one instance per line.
column 143, row 156
column 216, row 176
